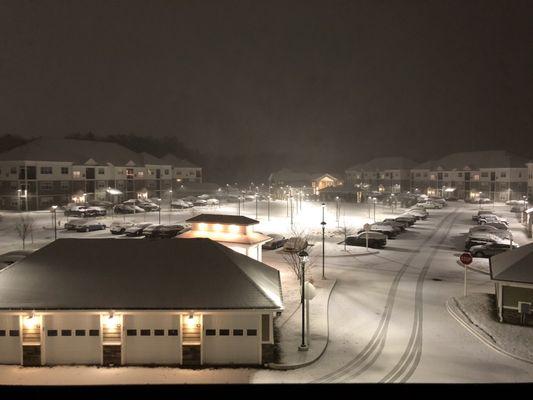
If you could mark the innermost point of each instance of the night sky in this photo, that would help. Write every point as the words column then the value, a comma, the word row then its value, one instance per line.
column 327, row 82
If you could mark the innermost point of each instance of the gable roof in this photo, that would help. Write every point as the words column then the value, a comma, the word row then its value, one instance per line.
column 513, row 265
column 223, row 219
column 383, row 163
column 477, row 159
column 104, row 274
column 171, row 159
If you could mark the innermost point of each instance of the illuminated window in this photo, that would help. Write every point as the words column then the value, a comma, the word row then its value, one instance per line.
column 76, row 174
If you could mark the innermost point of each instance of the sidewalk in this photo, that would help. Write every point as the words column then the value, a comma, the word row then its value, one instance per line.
column 291, row 331
column 476, row 313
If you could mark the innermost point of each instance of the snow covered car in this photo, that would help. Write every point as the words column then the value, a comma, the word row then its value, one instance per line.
column 95, row 211
column 517, row 209
column 497, row 225
column 491, row 249
column 489, row 228
column 482, row 238
column 151, row 230
column 439, row 200
column 375, row 240
column 200, row 203
column 276, row 242
column 476, row 216
column 387, row 230
column 406, row 218
column 398, row 224
column 73, row 224
column 123, row 209
column 516, row 202
column 88, row 226
column 118, row 228
column 418, row 213
column 491, row 218
column 295, row 244
column 429, row 204
column 212, row 202
column 75, row 211
column 137, row 229
column 180, row 204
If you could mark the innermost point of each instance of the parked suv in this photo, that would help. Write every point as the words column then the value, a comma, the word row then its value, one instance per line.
column 491, row 249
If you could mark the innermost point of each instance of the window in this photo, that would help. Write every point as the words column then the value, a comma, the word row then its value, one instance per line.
column 80, row 332
column 94, row 332
column 2, row 332
column 76, row 174
column 140, row 174
column 166, row 172
column 52, row 332
column 46, row 170
column 145, row 332
column 101, row 171
column 484, row 174
column 520, row 174
column 172, row 332
column 64, row 185
column 46, row 185
column 210, row 332
column 223, row 332
column 251, row 332
column 460, row 174
column 64, row 170
column 13, row 170
column 14, row 332
column 159, row 332
column 238, row 332
column 503, row 174
column 131, row 332
column 66, row 332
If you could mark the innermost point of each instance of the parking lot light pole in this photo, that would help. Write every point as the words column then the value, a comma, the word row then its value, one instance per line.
column 169, row 205
column 268, row 207
column 239, row 202
column 256, row 198
column 54, row 221
column 303, row 255
column 159, row 211
column 375, row 209
column 323, row 223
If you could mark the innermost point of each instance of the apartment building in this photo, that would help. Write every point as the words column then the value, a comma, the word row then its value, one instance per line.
column 183, row 170
column 383, row 174
column 44, row 172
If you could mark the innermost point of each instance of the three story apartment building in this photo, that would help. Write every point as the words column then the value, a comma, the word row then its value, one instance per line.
column 384, row 174
column 44, row 172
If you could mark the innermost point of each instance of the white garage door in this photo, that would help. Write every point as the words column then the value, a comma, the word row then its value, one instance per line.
column 10, row 348
column 151, row 339
column 72, row 339
column 233, row 339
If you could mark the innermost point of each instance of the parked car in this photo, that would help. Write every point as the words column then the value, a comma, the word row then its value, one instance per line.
column 75, row 211
column 387, row 230
column 295, row 244
column 74, row 224
column 123, row 209
column 200, row 203
column 163, row 231
column 137, row 229
column 276, row 242
column 516, row 202
column 491, row 249
column 489, row 229
column 452, row 198
column 151, row 230
column 429, row 204
column 118, row 228
column 212, row 202
column 148, row 206
column 406, row 218
column 491, row 218
column 438, row 200
column 517, row 209
column 95, row 211
column 498, row 225
column 400, row 226
column 375, row 240
column 418, row 213
column 89, row 225
column 101, row 203
column 181, row 204
column 482, row 238
column 476, row 216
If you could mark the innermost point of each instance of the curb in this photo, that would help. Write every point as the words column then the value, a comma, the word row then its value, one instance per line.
column 285, row 367
column 370, row 253
column 478, row 335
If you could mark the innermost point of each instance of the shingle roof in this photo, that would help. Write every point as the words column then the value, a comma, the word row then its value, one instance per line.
column 223, row 219
column 185, row 274
column 513, row 265
column 478, row 159
column 178, row 162
column 73, row 150
column 383, row 163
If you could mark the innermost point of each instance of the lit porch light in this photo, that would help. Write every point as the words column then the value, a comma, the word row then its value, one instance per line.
column 31, row 321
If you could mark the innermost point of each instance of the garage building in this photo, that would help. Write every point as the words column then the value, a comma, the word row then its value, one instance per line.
column 137, row 302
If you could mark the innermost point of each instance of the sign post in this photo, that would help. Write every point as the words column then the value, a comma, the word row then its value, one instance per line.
column 466, row 260
column 367, row 229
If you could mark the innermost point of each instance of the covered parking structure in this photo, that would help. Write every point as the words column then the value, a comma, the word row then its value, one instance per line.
column 131, row 302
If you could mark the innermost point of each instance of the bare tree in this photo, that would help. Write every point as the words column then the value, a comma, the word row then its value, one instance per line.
column 24, row 227
column 301, row 241
column 345, row 231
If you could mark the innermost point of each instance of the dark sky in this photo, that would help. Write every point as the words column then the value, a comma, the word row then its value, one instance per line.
column 331, row 81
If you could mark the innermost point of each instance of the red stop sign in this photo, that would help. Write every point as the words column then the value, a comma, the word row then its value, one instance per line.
column 466, row 258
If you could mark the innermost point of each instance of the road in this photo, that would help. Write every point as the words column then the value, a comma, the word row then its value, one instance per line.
column 388, row 321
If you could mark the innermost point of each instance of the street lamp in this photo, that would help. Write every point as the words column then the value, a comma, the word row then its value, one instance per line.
column 256, row 198
column 303, row 256
column 375, row 198
column 268, row 206
column 54, row 221
column 18, row 193
column 323, row 223
column 169, row 205
column 292, row 219
column 159, row 211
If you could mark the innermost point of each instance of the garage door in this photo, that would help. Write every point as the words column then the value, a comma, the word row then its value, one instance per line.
column 233, row 339
column 10, row 347
column 72, row 339
column 151, row 339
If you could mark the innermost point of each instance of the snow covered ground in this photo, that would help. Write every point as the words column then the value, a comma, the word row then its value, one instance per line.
column 388, row 319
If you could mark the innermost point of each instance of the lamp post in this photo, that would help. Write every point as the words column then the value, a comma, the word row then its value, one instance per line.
column 169, row 205
column 256, row 198
column 292, row 219
column 375, row 209
column 54, row 221
column 323, row 223
column 18, row 193
column 243, row 194
column 268, row 207
column 479, row 199
column 159, row 211
column 287, row 196
column 239, row 202
column 304, row 256
column 337, row 211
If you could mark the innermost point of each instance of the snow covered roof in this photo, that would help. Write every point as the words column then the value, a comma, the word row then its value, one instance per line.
column 223, row 219
column 383, row 163
column 475, row 160
column 513, row 265
column 104, row 274
column 152, row 160
column 290, row 177
column 171, row 159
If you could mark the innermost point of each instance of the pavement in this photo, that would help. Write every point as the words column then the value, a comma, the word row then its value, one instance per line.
column 291, row 328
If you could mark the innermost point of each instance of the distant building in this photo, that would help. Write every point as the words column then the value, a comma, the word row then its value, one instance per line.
column 134, row 302
column 513, row 277
column 182, row 170
column 233, row 231
column 306, row 183
column 45, row 172
column 497, row 175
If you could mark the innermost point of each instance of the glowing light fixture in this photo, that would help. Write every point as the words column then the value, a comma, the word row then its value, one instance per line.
column 31, row 321
column 234, row 228
column 217, row 227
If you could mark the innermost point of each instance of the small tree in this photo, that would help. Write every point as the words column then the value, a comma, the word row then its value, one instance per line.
column 345, row 231
column 302, row 241
column 24, row 227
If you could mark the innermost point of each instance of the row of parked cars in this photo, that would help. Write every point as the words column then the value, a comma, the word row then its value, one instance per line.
column 490, row 236
column 389, row 228
column 148, row 230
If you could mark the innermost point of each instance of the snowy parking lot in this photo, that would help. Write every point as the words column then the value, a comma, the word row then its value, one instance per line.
column 388, row 319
